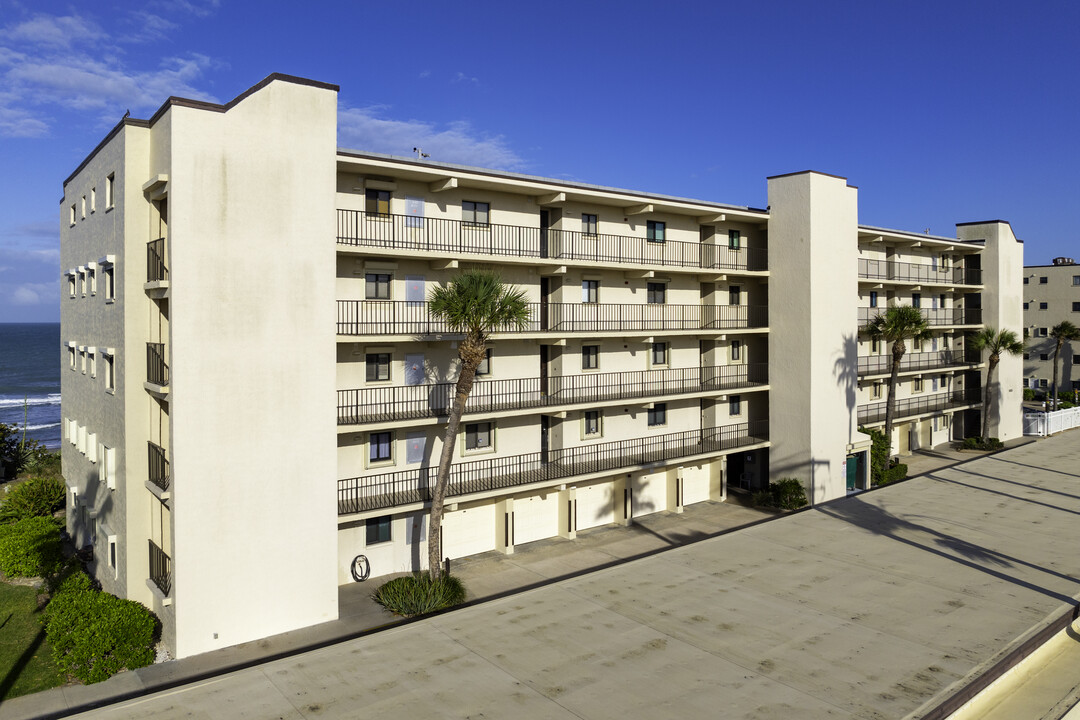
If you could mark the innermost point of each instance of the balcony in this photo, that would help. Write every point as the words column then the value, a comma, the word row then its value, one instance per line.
column 412, row 486
column 157, row 370
column 939, row 360
column 918, row 273
column 159, row 466
column 160, row 569
column 155, row 261
column 935, row 317
column 910, row 407
column 404, row 317
column 383, row 404
column 454, row 237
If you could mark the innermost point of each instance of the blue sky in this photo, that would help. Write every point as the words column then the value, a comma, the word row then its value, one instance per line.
column 939, row 112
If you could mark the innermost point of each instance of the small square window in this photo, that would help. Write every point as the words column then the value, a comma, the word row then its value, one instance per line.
column 1042, row 306
column 1042, row 332
column 734, row 239
column 735, row 405
column 377, row 530
column 734, row 295
column 659, row 353
column 1042, row 281
column 654, row 231
column 873, row 298
column 736, row 350
column 590, row 357
column 475, row 213
column 658, row 415
column 1076, row 359
column 591, row 423
column 1027, row 356
column 1076, row 307
column 1025, row 281
column 478, row 436
column 1025, row 306
column 484, row 368
column 1044, row 356
column 377, row 286
column 377, row 203
column 656, row 293
column 380, row 447
column 378, row 367
column 588, row 224
column 1043, row 382
column 590, row 291
column 1076, row 279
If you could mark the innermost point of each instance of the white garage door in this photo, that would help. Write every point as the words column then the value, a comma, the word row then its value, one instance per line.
column 650, row 494
column 536, row 518
column 595, row 505
column 468, row 532
column 695, row 485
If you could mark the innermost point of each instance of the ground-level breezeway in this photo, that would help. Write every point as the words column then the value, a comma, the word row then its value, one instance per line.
column 878, row 605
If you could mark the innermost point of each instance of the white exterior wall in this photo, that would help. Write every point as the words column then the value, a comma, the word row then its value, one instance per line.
column 251, row 341
column 813, row 254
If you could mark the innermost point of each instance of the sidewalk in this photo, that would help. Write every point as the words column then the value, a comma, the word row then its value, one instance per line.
column 486, row 576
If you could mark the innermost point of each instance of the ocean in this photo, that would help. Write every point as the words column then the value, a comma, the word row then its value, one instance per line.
column 30, row 369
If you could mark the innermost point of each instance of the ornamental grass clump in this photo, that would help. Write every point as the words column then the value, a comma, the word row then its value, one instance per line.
column 418, row 594
column 785, row 494
column 37, row 497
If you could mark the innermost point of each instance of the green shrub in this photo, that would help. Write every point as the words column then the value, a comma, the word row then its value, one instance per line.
column 43, row 462
column 978, row 443
column 786, row 494
column 895, row 473
column 880, row 453
column 37, row 497
column 95, row 635
column 1029, row 394
column 418, row 594
column 14, row 454
column 30, row 548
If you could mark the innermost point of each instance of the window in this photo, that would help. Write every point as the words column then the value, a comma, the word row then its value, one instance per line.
column 82, row 359
column 736, row 350
column 484, row 368
column 380, row 447
column 1043, row 382
column 108, row 277
column 378, row 367
column 917, row 385
column 734, row 295
column 109, row 191
column 588, row 224
column 590, row 291
column 1076, row 279
column 1025, row 281
column 91, row 280
column 1042, row 281
column 1042, row 306
column 378, row 286
column 1042, row 332
column 107, row 362
column 654, row 231
column 946, row 262
column 1076, row 359
column 71, row 284
column 378, row 202
column 590, row 357
column 873, row 298
column 875, row 391
column 916, row 300
column 82, row 207
column 875, row 345
column 82, row 282
column 591, row 424
column 656, row 293
column 475, row 213
column 93, row 200
column 1044, row 356
column 1027, row 356
column 1076, row 306
column 93, row 362
column 112, row 553
column 659, row 353
column 734, row 240
column 71, row 219
column 658, row 415
column 478, row 436
column 71, row 356
column 377, row 530
column 735, row 405
column 1025, row 306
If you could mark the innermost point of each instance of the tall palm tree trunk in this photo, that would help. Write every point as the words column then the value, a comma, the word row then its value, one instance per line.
column 1057, row 351
column 438, row 494
column 986, row 396
column 890, row 404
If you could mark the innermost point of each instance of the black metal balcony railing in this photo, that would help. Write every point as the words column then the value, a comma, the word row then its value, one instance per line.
column 155, row 261
column 381, row 404
column 908, row 407
column 878, row 364
column 356, row 227
column 404, row 317
column 920, row 273
column 397, row 488
column 934, row 316
column 158, row 465
column 157, row 370
column 160, row 568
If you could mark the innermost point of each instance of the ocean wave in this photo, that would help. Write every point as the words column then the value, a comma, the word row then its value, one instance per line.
column 50, row 399
column 37, row 427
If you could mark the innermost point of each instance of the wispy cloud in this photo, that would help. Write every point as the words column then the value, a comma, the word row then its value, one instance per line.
column 56, row 31
column 457, row 142
column 462, row 77
column 35, row 294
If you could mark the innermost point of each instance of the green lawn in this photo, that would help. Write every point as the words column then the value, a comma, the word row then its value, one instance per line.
column 25, row 657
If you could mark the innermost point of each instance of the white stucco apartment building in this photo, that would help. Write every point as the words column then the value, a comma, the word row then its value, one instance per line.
column 1051, row 295
column 256, row 391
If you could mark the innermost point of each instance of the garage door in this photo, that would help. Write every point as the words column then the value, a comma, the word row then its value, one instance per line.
column 468, row 532
column 595, row 505
column 695, row 485
column 650, row 494
column 536, row 518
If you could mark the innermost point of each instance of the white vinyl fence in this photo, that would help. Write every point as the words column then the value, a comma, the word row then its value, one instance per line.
column 1048, row 423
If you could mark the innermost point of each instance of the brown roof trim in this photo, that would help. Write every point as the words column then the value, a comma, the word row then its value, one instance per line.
column 198, row 105
column 984, row 222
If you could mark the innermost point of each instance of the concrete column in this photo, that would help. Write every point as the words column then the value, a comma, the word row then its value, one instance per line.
column 568, row 513
column 718, row 479
column 504, row 526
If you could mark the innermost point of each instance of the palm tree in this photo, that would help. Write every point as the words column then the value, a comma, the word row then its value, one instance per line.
column 474, row 303
column 897, row 324
column 997, row 342
column 1062, row 333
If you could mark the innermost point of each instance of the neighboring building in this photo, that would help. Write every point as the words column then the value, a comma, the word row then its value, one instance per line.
column 1051, row 295
column 677, row 351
